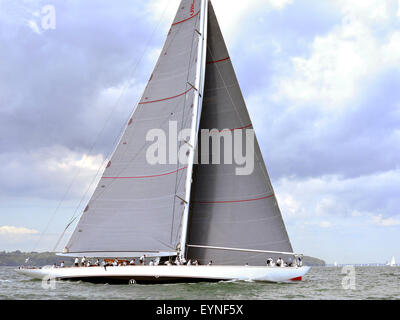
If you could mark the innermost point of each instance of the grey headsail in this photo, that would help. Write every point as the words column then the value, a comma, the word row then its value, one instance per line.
column 229, row 210
column 137, row 206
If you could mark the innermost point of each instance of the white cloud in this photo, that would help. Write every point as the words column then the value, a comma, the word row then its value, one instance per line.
column 376, row 10
column 231, row 16
column 19, row 231
column 48, row 171
column 385, row 222
column 279, row 4
column 333, row 198
column 33, row 26
column 326, row 224
column 398, row 8
column 62, row 160
column 334, row 72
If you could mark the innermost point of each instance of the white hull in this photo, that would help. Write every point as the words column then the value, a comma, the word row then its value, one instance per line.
column 167, row 274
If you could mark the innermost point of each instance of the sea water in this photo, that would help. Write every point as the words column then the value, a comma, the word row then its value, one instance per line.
column 319, row 283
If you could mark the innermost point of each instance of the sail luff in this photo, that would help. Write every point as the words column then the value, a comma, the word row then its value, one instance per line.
column 200, row 77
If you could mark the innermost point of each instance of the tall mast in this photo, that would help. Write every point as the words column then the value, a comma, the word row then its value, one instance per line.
column 197, row 105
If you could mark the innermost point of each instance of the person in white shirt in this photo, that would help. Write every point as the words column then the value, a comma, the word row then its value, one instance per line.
column 76, row 262
column 189, row 263
column 151, row 263
column 299, row 261
column 97, row 263
column 196, row 262
column 210, row 263
column 115, row 263
column 83, row 261
column 132, row 263
column 62, row 265
column 280, row 263
column 142, row 259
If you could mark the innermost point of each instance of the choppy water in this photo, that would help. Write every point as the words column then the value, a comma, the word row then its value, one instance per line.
column 319, row 283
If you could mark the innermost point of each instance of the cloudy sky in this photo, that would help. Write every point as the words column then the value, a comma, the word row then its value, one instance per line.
column 322, row 84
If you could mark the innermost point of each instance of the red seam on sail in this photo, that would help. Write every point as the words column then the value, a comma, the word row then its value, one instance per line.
column 143, row 177
column 236, row 128
column 174, row 24
column 210, row 62
column 192, row 8
column 233, row 201
column 169, row 98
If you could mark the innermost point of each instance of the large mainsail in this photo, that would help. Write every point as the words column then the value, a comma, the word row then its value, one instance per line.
column 230, row 211
column 137, row 207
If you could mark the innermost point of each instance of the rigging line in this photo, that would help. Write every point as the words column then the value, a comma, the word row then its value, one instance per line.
column 74, row 216
column 177, row 183
column 135, row 66
column 63, row 233
column 53, row 215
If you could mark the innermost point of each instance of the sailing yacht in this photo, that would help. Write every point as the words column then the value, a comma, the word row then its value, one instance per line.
column 392, row 262
column 192, row 211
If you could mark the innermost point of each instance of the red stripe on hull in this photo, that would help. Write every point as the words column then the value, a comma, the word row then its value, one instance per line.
column 296, row 279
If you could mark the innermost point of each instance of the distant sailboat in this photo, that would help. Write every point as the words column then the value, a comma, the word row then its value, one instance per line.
column 203, row 212
column 335, row 264
column 392, row 262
